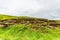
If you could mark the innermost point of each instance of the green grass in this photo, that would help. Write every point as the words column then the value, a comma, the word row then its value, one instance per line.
column 3, row 17
column 22, row 32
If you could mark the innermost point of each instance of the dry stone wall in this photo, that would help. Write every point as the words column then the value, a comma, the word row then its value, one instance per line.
column 37, row 22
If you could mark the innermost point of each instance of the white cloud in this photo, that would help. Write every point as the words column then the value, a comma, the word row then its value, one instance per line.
column 49, row 9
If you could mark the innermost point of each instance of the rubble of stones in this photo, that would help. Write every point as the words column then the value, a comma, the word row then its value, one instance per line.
column 26, row 21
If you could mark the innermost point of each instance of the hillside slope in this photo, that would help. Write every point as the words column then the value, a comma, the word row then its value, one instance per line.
column 3, row 17
column 25, row 28
column 24, row 32
column 6, row 20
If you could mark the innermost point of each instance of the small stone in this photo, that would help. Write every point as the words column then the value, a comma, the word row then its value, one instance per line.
column 2, row 25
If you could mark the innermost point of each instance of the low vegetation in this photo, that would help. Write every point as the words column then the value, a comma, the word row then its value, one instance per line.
column 24, row 32
column 28, row 30
column 3, row 17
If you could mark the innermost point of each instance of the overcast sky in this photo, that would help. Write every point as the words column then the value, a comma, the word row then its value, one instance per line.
column 49, row 9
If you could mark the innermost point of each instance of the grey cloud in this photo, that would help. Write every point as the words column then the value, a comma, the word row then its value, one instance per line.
column 49, row 9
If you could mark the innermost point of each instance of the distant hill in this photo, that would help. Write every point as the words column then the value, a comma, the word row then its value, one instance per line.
column 3, row 17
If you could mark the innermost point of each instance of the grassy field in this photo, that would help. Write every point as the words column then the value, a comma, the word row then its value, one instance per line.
column 24, row 32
